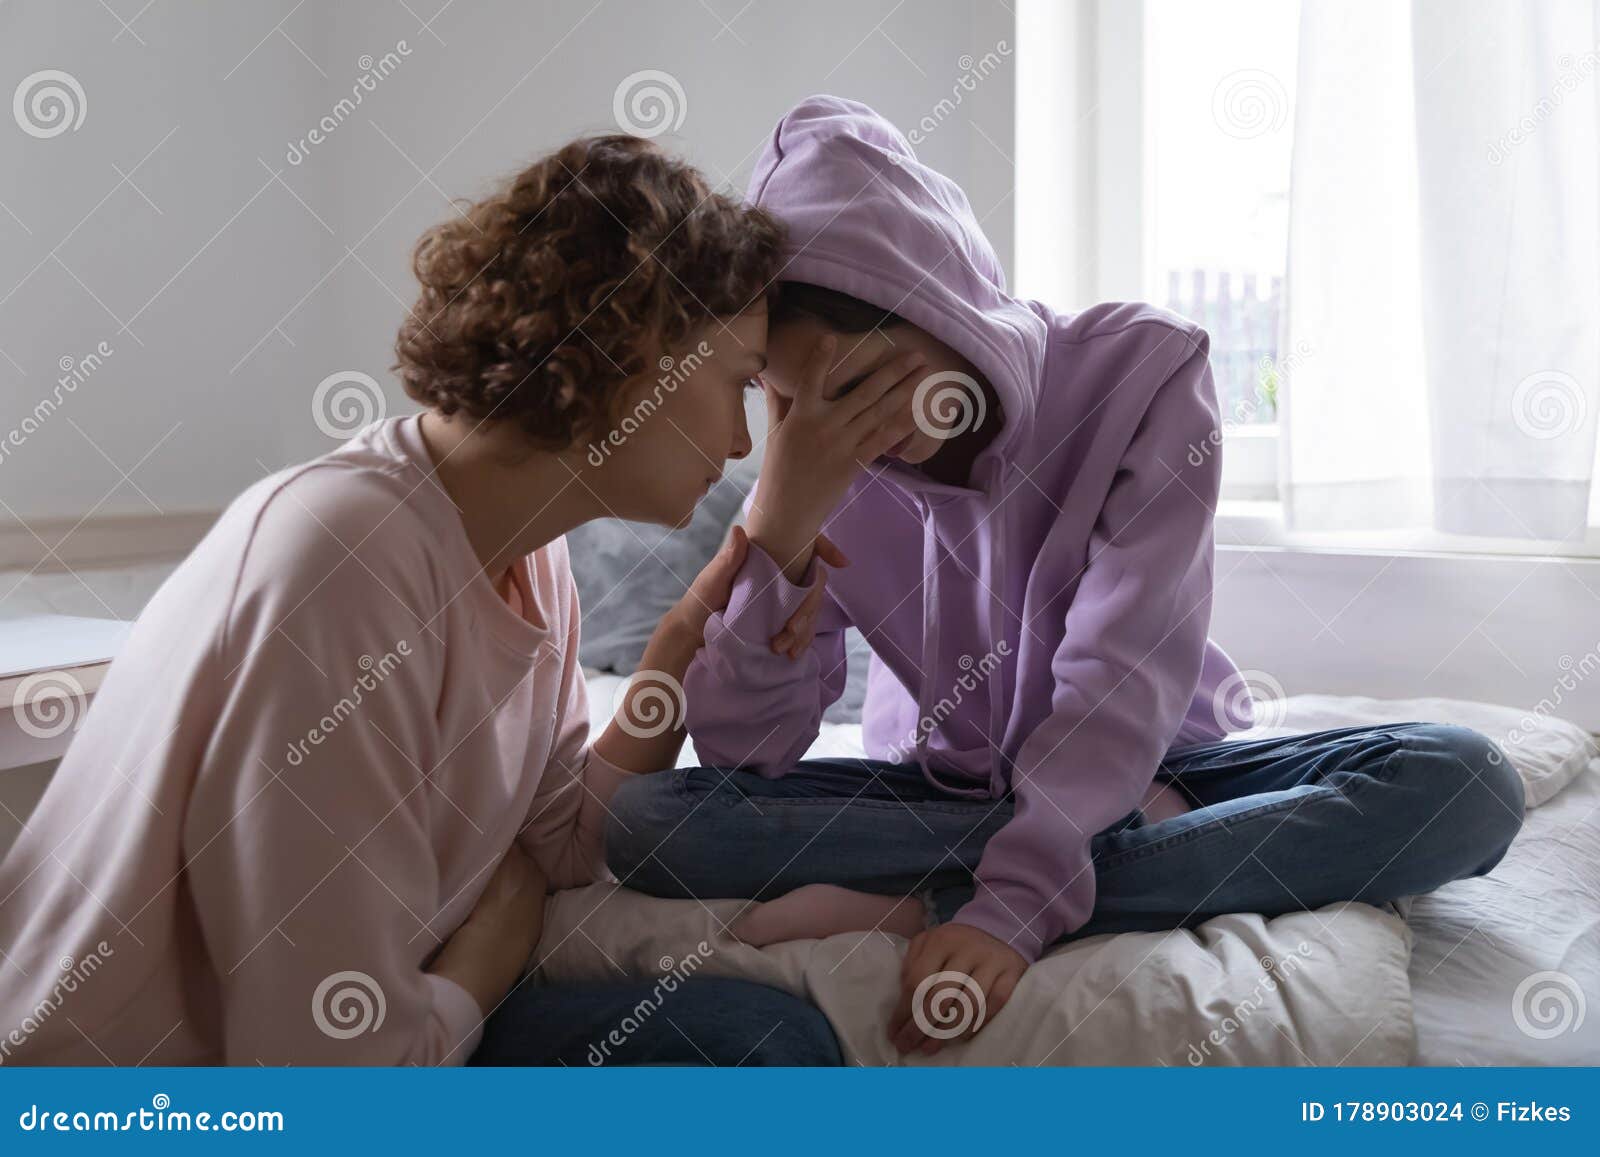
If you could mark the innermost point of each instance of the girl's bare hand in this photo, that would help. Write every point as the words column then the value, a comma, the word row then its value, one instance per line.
column 817, row 446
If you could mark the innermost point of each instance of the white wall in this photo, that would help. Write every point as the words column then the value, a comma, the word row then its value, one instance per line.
column 1523, row 631
column 227, row 293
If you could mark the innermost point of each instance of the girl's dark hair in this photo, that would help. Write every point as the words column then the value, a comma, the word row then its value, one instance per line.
column 541, row 300
column 838, row 311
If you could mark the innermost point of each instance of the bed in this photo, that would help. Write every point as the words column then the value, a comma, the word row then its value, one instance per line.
column 1492, row 971
column 1500, row 970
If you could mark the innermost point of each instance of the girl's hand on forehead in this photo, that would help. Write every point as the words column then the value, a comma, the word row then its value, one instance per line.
column 817, row 446
column 853, row 398
column 841, row 434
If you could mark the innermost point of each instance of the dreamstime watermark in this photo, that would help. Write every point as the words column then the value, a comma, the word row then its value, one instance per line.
column 1548, row 404
column 1248, row 699
column 1573, row 672
column 974, row 673
column 372, row 72
column 75, row 371
column 49, row 103
column 159, row 1118
column 1249, row 103
column 1274, row 971
column 674, row 372
column 1273, row 374
column 48, row 704
column 649, row 703
column 946, row 1005
column 675, row 972
column 648, row 103
column 1571, row 72
column 347, row 1004
column 1548, row 1004
column 948, row 404
column 377, row 671
column 73, row 974
column 346, row 401
column 973, row 72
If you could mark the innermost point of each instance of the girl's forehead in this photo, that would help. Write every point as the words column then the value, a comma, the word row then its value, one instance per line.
column 858, row 351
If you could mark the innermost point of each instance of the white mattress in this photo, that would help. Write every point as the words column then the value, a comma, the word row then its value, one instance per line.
column 1502, row 970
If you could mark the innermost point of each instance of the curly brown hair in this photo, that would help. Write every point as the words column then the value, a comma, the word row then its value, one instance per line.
column 539, row 301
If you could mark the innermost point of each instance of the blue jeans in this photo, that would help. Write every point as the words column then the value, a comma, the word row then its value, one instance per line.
column 1280, row 825
column 704, row 1021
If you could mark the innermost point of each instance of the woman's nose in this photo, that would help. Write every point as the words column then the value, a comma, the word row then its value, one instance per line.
column 741, row 436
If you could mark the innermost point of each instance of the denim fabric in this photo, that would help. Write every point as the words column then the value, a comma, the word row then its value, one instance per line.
column 703, row 1021
column 1280, row 825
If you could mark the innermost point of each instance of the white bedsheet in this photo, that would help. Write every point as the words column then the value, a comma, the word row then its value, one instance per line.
column 1499, row 970
column 1326, row 987
column 1505, row 969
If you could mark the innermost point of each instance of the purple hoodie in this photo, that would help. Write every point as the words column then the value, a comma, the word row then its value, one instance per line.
column 1042, row 628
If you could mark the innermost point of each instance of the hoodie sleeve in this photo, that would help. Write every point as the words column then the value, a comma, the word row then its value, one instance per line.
column 747, row 706
column 1124, row 675
column 565, row 828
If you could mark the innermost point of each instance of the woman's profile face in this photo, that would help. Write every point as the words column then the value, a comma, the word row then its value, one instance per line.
column 679, row 424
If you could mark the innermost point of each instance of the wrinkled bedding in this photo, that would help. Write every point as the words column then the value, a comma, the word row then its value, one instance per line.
column 1328, row 987
column 1325, row 987
column 1506, row 968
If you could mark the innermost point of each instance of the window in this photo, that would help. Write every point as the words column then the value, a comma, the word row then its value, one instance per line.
column 1155, row 140
column 1217, row 245
column 1184, row 113
column 1218, row 108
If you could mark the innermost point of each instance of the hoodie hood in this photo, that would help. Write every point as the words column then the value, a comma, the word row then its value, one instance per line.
column 865, row 217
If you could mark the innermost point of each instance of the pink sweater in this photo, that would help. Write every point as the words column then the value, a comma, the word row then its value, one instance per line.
column 326, row 729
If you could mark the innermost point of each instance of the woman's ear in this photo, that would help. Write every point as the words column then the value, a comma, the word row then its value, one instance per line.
column 624, row 400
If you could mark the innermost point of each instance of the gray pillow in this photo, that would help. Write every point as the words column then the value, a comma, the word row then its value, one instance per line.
column 629, row 574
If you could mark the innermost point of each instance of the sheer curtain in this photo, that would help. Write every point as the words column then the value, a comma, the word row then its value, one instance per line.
column 1443, row 282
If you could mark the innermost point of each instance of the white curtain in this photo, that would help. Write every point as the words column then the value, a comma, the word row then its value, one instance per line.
column 1443, row 286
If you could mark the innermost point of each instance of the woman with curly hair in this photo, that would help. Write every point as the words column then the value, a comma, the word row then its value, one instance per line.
column 314, row 810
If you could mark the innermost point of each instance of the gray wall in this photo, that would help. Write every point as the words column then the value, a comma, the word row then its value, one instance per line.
column 228, row 282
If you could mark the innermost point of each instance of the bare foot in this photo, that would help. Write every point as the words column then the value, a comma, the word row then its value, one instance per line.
column 1163, row 801
column 817, row 911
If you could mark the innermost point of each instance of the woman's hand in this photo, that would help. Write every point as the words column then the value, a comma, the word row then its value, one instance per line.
column 976, row 975
column 797, row 634
column 489, row 951
column 713, row 587
column 817, row 446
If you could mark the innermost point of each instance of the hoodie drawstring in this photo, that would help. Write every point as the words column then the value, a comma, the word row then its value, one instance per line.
column 930, row 635
column 933, row 557
column 999, row 772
